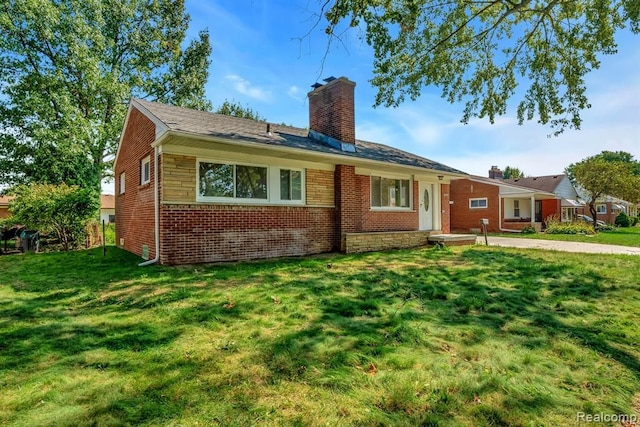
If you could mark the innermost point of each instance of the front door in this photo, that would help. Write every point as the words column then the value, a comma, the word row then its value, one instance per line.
column 538, row 217
column 426, row 205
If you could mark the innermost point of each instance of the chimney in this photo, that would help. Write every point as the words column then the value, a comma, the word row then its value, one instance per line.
column 332, row 113
column 495, row 172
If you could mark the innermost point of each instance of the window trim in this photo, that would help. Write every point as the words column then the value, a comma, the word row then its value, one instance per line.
column 604, row 210
column 278, row 195
column 391, row 177
column 486, row 203
column 516, row 208
column 122, row 181
column 273, row 184
column 145, row 161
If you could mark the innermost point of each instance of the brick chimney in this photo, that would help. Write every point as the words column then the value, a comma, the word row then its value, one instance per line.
column 495, row 172
column 332, row 113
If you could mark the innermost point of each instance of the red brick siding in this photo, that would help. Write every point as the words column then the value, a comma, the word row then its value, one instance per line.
column 445, row 196
column 347, row 208
column 331, row 110
column 551, row 207
column 135, row 208
column 213, row 233
column 462, row 217
column 375, row 220
column 4, row 212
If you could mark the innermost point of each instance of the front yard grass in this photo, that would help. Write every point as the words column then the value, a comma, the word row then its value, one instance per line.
column 476, row 336
column 624, row 236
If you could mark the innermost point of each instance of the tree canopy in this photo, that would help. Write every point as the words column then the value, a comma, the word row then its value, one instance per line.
column 512, row 173
column 478, row 52
column 604, row 175
column 235, row 109
column 67, row 69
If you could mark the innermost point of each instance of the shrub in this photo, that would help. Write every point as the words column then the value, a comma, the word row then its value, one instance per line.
column 622, row 220
column 570, row 228
column 61, row 210
column 634, row 220
column 606, row 227
column 528, row 230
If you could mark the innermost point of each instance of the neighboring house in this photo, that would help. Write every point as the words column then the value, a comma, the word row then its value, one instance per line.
column 561, row 186
column 107, row 208
column 194, row 187
column 508, row 207
column 4, row 206
column 608, row 208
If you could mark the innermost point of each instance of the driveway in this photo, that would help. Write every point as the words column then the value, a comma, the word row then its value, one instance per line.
column 592, row 248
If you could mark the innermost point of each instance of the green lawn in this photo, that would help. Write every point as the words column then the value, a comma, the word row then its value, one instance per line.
column 475, row 336
column 628, row 236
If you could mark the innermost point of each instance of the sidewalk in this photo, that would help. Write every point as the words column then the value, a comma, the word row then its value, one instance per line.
column 592, row 248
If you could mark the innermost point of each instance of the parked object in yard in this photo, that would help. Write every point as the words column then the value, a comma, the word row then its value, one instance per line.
column 587, row 218
column 7, row 234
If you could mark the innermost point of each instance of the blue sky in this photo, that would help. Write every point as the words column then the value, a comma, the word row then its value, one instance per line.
column 260, row 61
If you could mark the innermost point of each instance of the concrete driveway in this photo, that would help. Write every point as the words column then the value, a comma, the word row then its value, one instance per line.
column 592, row 248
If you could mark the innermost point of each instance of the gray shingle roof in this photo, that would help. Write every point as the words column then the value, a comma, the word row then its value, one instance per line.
column 546, row 183
column 203, row 123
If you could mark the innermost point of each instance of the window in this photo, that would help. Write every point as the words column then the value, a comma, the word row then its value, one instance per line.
column 145, row 170
column 290, row 184
column 232, row 181
column 478, row 203
column 122, row 183
column 516, row 208
column 390, row 193
column 567, row 214
column 112, row 218
column 601, row 209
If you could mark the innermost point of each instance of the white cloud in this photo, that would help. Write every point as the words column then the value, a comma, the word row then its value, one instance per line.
column 295, row 93
column 244, row 87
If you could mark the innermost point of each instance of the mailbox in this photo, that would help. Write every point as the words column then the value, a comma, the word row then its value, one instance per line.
column 484, row 221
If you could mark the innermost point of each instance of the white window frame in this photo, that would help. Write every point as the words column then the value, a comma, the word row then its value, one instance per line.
column 276, row 192
column 478, row 199
column 394, row 177
column 602, row 211
column 273, row 184
column 122, row 182
column 145, row 162
column 516, row 208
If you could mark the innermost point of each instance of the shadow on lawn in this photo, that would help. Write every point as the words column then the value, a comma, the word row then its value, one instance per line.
column 385, row 305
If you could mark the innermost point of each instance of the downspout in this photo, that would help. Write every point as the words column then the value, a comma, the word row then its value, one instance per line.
column 500, row 218
column 156, row 207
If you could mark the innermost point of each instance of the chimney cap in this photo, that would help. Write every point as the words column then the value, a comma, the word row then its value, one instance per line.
column 316, row 85
column 329, row 79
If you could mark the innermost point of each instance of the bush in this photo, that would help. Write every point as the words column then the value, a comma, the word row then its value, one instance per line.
column 622, row 220
column 634, row 220
column 528, row 230
column 570, row 228
column 60, row 210
column 606, row 227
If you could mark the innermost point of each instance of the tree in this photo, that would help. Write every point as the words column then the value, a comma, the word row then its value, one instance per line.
column 512, row 173
column 596, row 177
column 58, row 209
column 67, row 69
column 235, row 109
column 479, row 51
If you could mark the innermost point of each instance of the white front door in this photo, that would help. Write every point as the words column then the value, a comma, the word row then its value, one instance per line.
column 426, row 208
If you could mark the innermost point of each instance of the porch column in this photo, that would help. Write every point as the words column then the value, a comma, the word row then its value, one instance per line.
column 533, row 210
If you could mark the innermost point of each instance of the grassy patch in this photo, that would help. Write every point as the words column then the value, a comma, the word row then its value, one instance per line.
column 627, row 236
column 478, row 336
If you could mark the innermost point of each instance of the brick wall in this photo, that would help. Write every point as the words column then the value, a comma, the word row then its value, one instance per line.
column 320, row 187
column 463, row 219
column 445, row 196
column 135, row 208
column 4, row 212
column 212, row 233
column 551, row 207
column 376, row 220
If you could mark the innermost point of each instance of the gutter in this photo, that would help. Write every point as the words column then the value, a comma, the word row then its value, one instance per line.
column 156, row 206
